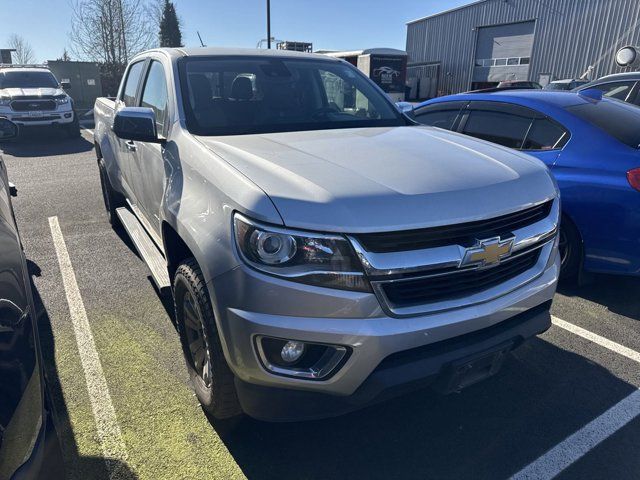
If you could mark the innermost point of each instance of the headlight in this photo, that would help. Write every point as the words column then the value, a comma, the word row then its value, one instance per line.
column 312, row 258
column 62, row 99
column 4, row 101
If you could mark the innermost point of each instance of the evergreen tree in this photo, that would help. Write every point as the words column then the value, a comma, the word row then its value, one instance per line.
column 170, row 34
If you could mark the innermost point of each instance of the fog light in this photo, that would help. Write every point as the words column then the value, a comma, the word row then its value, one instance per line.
column 292, row 351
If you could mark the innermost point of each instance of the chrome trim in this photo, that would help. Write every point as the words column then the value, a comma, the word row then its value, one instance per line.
column 325, row 365
column 547, row 249
column 450, row 256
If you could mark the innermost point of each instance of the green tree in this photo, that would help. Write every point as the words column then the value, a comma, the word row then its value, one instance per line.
column 170, row 34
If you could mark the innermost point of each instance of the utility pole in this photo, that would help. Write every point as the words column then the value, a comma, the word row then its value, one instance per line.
column 269, row 24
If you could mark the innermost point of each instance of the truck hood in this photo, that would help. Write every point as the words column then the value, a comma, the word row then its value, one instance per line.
column 383, row 179
column 31, row 92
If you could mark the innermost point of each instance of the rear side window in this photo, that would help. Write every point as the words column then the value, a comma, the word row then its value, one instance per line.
column 617, row 90
column 155, row 95
column 442, row 115
column 498, row 127
column 620, row 120
column 131, row 87
column 545, row 134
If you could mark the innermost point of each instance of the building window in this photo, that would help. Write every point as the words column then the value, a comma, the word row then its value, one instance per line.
column 502, row 62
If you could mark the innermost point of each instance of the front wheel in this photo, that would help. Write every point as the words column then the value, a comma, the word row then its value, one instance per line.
column 212, row 379
column 570, row 248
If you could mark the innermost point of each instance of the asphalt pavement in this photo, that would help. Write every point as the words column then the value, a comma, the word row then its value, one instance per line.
column 566, row 403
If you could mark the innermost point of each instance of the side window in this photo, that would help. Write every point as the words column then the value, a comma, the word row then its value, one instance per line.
column 545, row 135
column 441, row 115
column 130, row 88
column 619, row 90
column 155, row 95
column 498, row 127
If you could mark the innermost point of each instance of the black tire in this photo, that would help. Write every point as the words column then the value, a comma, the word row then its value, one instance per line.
column 112, row 199
column 570, row 250
column 73, row 129
column 212, row 379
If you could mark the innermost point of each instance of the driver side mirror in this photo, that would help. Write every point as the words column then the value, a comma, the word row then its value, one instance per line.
column 65, row 85
column 8, row 129
column 136, row 123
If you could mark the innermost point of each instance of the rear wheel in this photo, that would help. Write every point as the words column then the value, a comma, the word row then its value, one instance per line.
column 212, row 379
column 570, row 248
column 112, row 199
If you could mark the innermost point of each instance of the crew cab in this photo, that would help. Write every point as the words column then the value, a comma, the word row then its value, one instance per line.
column 323, row 250
column 31, row 96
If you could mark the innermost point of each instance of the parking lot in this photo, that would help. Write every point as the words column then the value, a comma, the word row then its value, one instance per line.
column 566, row 404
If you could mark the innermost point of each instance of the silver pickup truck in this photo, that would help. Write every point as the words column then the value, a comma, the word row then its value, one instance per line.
column 323, row 251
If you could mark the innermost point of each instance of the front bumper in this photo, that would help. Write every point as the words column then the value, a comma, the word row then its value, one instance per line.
column 41, row 119
column 249, row 304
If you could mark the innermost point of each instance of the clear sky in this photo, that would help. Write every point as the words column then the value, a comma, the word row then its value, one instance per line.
column 328, row 24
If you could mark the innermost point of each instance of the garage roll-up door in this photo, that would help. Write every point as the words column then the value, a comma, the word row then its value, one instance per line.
column 503, row 52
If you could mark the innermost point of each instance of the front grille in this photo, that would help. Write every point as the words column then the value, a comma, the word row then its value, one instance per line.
column 464, row 234
column 408, row 293
column 37, row 119
column 32, row 105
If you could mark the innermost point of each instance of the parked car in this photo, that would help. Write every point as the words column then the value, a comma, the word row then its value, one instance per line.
column 323, row 250
column 28, row 443
column 622, row 86
column 591, row 145
column 566, row 84
column 31, row 96
column 519, row 84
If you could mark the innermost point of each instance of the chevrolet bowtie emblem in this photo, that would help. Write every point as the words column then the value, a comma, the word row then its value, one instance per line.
column 487, row 253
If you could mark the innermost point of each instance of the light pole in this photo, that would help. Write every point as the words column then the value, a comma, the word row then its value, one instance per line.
column 269, row 24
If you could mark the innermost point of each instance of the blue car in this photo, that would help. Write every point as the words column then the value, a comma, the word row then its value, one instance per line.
column 590, row 143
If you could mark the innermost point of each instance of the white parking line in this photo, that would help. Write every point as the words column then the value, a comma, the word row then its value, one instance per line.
column 603, row 342
column 109, row 433
column 581, row 442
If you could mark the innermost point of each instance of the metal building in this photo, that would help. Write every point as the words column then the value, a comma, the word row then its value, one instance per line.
column 489, row 41
column 84, row 78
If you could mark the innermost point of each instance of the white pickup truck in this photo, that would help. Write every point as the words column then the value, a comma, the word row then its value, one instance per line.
column 323, row 251
column 30, row 96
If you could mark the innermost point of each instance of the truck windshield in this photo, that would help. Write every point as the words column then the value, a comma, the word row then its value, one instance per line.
column 245, row 95
column 27, row 80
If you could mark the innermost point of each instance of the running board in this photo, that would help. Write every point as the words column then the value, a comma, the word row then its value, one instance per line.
column 146, row 248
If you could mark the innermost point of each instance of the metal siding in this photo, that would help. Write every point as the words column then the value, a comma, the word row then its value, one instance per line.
column 570, row 35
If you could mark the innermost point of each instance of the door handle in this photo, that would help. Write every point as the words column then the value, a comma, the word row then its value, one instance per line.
column 130, row 146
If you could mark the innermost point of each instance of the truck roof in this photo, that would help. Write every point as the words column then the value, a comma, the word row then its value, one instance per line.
column 239, row 52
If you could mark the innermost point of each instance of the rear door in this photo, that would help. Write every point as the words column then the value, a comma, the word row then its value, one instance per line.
column 516, row 127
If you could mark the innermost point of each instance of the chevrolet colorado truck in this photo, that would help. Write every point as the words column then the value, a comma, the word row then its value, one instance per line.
column 30, row 96
column 322, row 250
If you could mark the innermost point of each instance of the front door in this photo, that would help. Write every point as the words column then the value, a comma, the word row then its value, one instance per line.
column 149, row 165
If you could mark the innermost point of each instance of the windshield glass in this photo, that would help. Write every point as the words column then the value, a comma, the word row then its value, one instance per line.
column 243, row 95
column 27, row 80
column 617, row 118
column 558, row 86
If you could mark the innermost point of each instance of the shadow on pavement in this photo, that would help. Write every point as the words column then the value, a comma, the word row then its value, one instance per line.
column 491, row 430
column 45, row 143
column 77, row 467
column 618, row 293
